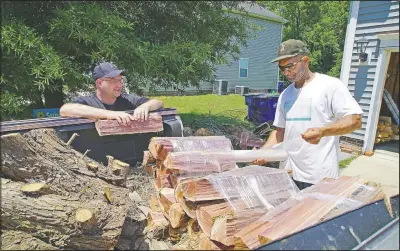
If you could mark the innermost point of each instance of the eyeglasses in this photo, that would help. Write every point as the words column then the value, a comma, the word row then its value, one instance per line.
column 289, row 67
column 114, row 81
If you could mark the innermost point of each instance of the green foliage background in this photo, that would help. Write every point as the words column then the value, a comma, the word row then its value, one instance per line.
column 49, row 48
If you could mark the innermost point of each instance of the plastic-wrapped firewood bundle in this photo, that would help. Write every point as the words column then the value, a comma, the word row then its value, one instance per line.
column 315, row 204
column 159, row 147
column 224, row 202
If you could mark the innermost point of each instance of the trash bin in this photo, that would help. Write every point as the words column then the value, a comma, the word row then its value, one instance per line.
column 281, row 86
column 261, row 107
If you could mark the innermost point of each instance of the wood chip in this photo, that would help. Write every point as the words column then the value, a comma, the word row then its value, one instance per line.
column 145, row 210
column 159, row 245
column 135, row 197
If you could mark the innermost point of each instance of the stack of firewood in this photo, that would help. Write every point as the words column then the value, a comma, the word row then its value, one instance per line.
column 204, row 201
column 386, row 130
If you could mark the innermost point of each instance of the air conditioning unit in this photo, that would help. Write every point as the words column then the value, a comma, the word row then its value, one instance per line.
column 240, row 89
column 221, row 87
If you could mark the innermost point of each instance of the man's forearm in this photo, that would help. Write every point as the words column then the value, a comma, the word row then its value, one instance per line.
column 343, row 126
column 154, row 104
column 83, row 111
column 274, row 138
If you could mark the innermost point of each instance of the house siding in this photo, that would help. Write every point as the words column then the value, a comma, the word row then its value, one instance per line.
column 374, row 17
column 260, row 51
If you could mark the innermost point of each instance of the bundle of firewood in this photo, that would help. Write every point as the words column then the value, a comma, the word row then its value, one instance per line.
column 386, row 130
column 204, row 201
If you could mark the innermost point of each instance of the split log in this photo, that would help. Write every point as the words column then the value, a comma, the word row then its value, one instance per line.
column 162, row 182
column 157, row 224
column 206, row 244
column 18, row 240
column 154, row 203
column 175, row 234
column 148, row 158
column 188, row 242
column 177, row 216
column 232, row 183
column 196, row 190
column 174, row 179
column 39, row 156
column 111, row 127
column 161, row 170
column 166, row 199
column 151, row 170
column 221, row 221
column 199, row 163
column 188, row 206
column 159, row 147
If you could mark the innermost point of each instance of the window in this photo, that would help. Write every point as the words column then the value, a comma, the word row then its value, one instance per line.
column 243, row 67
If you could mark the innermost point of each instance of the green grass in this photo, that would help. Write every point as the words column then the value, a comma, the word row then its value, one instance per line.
column 196, row 111
column 344, row 163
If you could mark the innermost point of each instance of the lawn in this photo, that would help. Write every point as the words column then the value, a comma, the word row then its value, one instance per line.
column 344, row 163
column 198, row 111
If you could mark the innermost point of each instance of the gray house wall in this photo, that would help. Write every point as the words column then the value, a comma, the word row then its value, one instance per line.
column 260, row 51
column 374, row 17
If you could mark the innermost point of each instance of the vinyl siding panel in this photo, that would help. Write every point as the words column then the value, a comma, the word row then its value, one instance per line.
column 260, row 51
column 374, row 17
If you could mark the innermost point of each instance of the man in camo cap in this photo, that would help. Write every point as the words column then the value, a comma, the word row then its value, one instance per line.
column 312, row 112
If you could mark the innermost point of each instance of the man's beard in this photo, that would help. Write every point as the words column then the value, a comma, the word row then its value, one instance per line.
column 300, row 75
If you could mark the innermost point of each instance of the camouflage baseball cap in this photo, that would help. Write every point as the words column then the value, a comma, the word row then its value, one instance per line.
column 291, row 48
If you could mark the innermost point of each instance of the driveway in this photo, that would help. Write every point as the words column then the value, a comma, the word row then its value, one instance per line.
column 382, row 167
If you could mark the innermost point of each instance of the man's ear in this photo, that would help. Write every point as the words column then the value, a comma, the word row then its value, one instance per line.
column 98, row 82
column 306, row 59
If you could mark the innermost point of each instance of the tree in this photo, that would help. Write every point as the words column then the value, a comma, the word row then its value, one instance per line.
column 51, row 50
column 321, row 25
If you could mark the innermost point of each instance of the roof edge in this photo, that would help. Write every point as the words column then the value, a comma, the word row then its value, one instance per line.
column 257, row 16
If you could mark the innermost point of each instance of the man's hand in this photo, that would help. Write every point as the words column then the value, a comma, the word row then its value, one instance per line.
column 259, row 162
column 123, row 118
column 313, row 135
column 141, row 113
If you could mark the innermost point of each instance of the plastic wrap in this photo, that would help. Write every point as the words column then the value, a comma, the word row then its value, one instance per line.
column 239, row 197
column 185, row 144
column 256, row 186
column 323, row 201
column 193, row 164
column 199, row 163
column 159, row 147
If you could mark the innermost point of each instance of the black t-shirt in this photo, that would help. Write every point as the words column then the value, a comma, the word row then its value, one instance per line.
column 123, row 103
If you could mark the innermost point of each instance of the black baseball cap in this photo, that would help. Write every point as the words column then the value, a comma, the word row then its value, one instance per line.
column 106, row 70
column 291, row 48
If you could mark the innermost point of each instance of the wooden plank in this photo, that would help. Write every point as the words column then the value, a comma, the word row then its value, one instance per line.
column 112, row 127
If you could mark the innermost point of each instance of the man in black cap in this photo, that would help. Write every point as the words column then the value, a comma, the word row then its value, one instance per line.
column 311, row 113
column 108, row 102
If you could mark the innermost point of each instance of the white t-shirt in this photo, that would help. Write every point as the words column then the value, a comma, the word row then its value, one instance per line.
column 322, row 101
